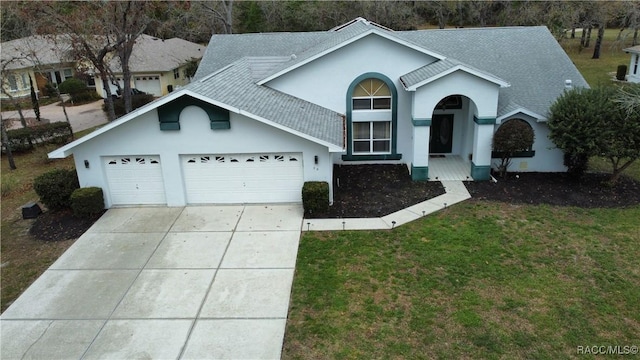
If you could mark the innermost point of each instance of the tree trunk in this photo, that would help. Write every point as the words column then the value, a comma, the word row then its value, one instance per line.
column 573, row 32
column 34, row 100
column 23, row 121
column 619, row 37
column 596, row 48
column 617, row 171
column 586, row 44
column 64, row 110
column 111, row 113
column 583, row 38
column 635, row 37
column 7, row 145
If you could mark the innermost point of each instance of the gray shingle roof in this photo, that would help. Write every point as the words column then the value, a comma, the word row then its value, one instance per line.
column 36, row 51
column 153, row 54
column 528, row 58
column 236, row 87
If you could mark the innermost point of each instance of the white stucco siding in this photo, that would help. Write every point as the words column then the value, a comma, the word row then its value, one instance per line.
column 548, row 158
column 142, row 136
column 483, row 93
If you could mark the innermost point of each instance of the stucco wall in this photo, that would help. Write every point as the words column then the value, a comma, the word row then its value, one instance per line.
column 143, row 136
column 548, row 158
column 325, row 81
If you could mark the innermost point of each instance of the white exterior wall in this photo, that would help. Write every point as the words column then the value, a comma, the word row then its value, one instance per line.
column 325, row 81
column 634, row 69
column 142, row 136
column 548, row 158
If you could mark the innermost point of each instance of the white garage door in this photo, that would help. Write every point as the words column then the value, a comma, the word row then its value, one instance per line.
column 246, row 178
column 149, row 84
column 135, row 180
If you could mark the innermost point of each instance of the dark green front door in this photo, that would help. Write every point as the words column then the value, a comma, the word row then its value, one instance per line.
column 440, row 140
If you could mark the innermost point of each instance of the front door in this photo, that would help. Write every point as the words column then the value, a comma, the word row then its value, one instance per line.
column 440, row 139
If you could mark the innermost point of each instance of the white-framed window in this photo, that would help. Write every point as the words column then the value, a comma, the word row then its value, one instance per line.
column 176, row 73
column 13, row 82
column 371, row 136
column 25, row 81
column 67, row 74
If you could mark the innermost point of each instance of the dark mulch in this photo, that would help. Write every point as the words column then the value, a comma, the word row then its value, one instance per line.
column 60, row 225
column 558, row 189
column 375, row 190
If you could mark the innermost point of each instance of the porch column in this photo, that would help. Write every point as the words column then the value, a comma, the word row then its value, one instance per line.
column 482, row 139
column 420, row 162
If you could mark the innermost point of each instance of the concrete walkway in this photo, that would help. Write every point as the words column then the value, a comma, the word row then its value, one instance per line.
column 201, row 282
column 455, row 192
column 81, row 117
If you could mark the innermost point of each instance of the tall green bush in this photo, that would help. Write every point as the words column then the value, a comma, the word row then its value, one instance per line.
column 86, row 202
column 55, row 187
column 512, row 137
column 315, row 197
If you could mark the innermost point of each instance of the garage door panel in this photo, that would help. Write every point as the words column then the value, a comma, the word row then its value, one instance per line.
column 135, row 180
column 243, row 178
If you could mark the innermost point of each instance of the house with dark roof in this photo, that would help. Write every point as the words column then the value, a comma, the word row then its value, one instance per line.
column 267, row 112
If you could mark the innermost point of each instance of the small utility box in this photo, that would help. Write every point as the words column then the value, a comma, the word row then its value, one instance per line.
column 31, row 210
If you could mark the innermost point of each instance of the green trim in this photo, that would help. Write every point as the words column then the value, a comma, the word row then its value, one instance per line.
column 421, row 122
column 517, row 154
column 394, row 120
column 419, row 173
column 169, row 126
column 371, row 157
column 484, row 121
column 169, row 113
column 480, row 172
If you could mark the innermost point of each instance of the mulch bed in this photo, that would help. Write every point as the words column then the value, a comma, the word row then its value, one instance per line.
column 375, row 190
column 558, row 189
column 60, row 225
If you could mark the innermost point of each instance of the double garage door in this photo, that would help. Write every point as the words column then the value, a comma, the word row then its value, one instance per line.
column 208, row 178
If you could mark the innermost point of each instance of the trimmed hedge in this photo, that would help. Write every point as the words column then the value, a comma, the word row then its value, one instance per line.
column 86, row 202
column 315, row 197
column 55, row 187
column 55, row 133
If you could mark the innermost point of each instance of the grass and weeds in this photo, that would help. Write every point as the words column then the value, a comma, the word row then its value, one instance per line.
column 23, row 258
column 598, row 71
column 478, row 280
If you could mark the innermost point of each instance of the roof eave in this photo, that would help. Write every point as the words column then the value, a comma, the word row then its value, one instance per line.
column 522, row 110
column 347, row 42
column 492, row 79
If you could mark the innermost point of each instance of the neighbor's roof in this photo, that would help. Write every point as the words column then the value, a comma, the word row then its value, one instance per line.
column 527, row 58
column 37, row 50
column 633, row 49
column 151, row 54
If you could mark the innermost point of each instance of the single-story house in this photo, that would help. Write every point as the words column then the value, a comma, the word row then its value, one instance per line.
column 634, row 69
column 267, row 112
column 46, row 58
column 158, row 66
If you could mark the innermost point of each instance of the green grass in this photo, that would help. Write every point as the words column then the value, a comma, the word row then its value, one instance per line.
column 596, row 71
column 478, row 280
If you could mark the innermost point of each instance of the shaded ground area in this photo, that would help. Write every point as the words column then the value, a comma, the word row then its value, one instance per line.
column 375, row 190
column 558, row 189
column 60, row 225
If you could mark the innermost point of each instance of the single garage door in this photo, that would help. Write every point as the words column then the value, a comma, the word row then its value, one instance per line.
column 243, row 178
column 135, row 180
column 149, row 84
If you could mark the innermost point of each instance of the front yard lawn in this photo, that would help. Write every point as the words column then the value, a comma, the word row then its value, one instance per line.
column 481, row 279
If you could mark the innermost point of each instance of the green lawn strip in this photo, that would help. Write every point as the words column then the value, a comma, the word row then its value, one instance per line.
column 478, row 280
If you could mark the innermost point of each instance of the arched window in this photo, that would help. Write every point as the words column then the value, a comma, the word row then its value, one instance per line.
column 371, row 117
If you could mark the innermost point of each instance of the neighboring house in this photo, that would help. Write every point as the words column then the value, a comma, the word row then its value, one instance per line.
column 634, row 68
column 157, row 66
column 267, row 112
column 44, row 58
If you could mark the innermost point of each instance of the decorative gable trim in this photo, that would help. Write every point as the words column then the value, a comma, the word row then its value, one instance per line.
column 169, row 113
column 521, row 110
column 463, row 68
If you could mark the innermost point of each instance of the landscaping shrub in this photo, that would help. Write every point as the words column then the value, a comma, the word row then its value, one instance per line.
column 53, row 133
column 513, row 136
column 137, row 101
column 74, row 87
column 55, row 187
column 315, row 197
column 86, row 202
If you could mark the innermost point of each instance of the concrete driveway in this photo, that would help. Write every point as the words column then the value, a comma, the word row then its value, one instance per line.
column 205, row 282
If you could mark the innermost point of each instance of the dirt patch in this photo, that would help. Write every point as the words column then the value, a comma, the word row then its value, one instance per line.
column 375, row 190
column 558, row 189
column 60, row 225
